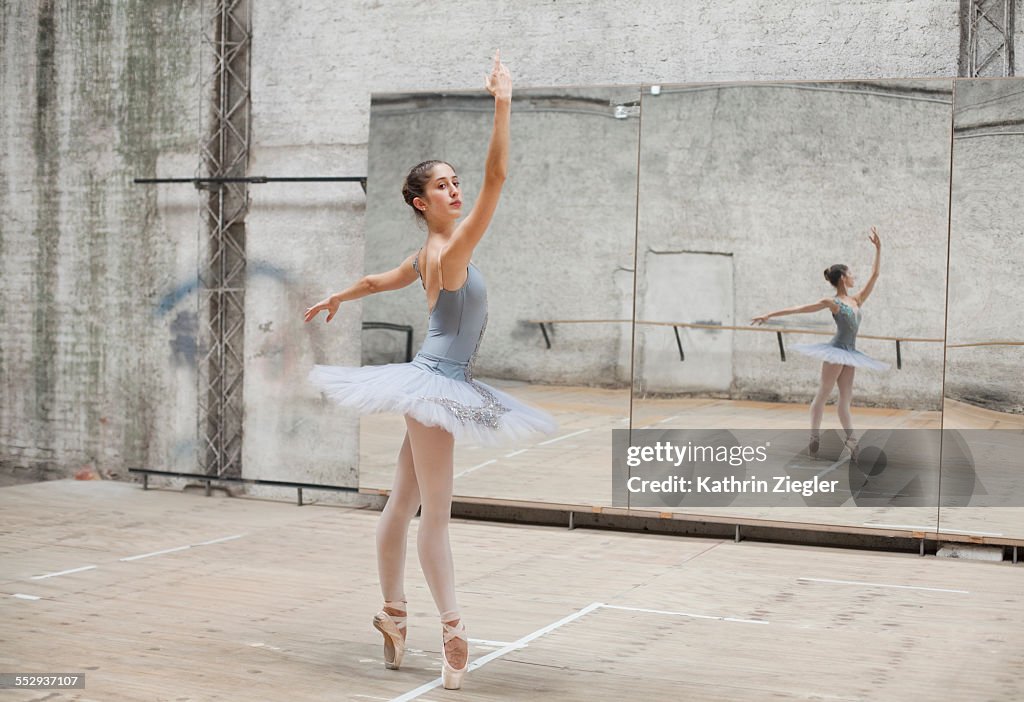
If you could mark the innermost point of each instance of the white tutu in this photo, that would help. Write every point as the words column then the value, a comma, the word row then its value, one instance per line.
column 469, row 409
column 836, row 354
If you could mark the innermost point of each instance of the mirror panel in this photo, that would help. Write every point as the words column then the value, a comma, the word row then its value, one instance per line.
column 558, row 261
column 983, row 437
column 748, row 192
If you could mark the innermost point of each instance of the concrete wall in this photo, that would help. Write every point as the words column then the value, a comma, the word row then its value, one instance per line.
column 98, row 306
column 96, row 327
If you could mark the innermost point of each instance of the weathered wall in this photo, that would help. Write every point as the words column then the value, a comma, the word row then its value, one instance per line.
column 95, row 345
column 98, row 308
column 317, row 62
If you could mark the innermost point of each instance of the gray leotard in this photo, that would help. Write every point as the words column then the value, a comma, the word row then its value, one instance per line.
column 455, row 327
column 454, row 330
column 847, row 323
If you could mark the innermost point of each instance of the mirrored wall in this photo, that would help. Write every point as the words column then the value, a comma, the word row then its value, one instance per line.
column 658, row 263
column 748, row 192
column 983, row 419
column 558, row 261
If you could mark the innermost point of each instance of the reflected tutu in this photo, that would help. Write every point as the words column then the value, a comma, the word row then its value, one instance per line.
column 836, row 354
column 469, row 409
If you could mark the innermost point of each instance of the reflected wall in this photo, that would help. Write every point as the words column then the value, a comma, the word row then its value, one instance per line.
column 982, row 481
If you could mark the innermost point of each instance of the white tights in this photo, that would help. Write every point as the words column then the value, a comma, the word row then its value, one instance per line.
column 423, row 477
column 834, row 374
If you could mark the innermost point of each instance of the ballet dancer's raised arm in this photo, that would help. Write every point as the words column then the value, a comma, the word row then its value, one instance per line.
column 394, row 279
column 861, row 296
column 813, row 307
column 467, row 235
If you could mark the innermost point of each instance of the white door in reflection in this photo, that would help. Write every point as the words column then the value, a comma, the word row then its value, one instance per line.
column 691, row 288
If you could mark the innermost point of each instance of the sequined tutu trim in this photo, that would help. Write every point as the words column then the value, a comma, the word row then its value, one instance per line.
column 471, row 410
column 835, row 354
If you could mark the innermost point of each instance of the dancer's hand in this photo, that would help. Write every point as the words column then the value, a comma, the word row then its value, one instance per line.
column 873, row 237
column 499, row 82
column 759, row 320
column 331, row 304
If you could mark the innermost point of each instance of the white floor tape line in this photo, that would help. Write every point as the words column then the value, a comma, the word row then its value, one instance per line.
column 517, row 644
column 63, row 572
column 559, row 438
column 688, row 614
column 900, row 587
column 478, row 465
column 522, row 642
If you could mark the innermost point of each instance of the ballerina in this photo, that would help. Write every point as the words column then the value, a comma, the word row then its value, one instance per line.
column 840, row 357
column 441, row 400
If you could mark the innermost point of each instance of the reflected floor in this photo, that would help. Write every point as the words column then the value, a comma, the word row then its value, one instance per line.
column 960, row 415
column 710, row 413
column 573, row 468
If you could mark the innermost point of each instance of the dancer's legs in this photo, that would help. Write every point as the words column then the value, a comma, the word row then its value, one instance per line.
column 393, row 528
column 433, row 451
column 829, row 374
column 845, row 383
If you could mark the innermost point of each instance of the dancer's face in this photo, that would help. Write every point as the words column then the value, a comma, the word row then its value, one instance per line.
column 848, row 279
column 442, row 196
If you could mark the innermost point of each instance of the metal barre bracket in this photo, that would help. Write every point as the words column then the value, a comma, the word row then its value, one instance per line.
column 206, row 183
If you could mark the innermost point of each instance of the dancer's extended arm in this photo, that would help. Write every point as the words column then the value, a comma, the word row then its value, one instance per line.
column 468, row 234
column 863, row 294
column 394, row 279
column 813, row 307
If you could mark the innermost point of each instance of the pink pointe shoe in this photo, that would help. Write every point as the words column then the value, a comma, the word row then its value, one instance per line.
column 851, row 443
column 391, row 626
column 452, row 677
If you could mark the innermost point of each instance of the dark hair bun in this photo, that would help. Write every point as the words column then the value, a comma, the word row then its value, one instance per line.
column 833, row 274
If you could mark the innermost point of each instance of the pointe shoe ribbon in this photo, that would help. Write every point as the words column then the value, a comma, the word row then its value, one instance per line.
column 390, row 626
column 452, row 677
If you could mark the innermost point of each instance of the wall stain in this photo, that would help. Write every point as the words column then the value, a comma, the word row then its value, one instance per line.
column 47, row 229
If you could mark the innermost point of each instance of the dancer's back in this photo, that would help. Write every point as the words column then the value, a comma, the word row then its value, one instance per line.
column 847, row 322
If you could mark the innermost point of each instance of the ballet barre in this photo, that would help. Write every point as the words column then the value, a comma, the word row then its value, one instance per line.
column 544, row 331
column 199, row 183
column 676, row 326
column 984, row 343
column 208, row 479
column 793, row 330
column 406, row 328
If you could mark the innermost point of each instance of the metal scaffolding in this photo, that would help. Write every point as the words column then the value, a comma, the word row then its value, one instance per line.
column 986, row 47
column 225, row 155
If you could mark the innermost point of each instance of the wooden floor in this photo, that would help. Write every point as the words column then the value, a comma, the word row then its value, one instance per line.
column 574, row 467
column 187, row 597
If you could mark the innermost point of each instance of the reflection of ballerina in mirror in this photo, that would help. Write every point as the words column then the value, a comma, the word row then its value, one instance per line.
column 437, row 393
column 840, row 357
